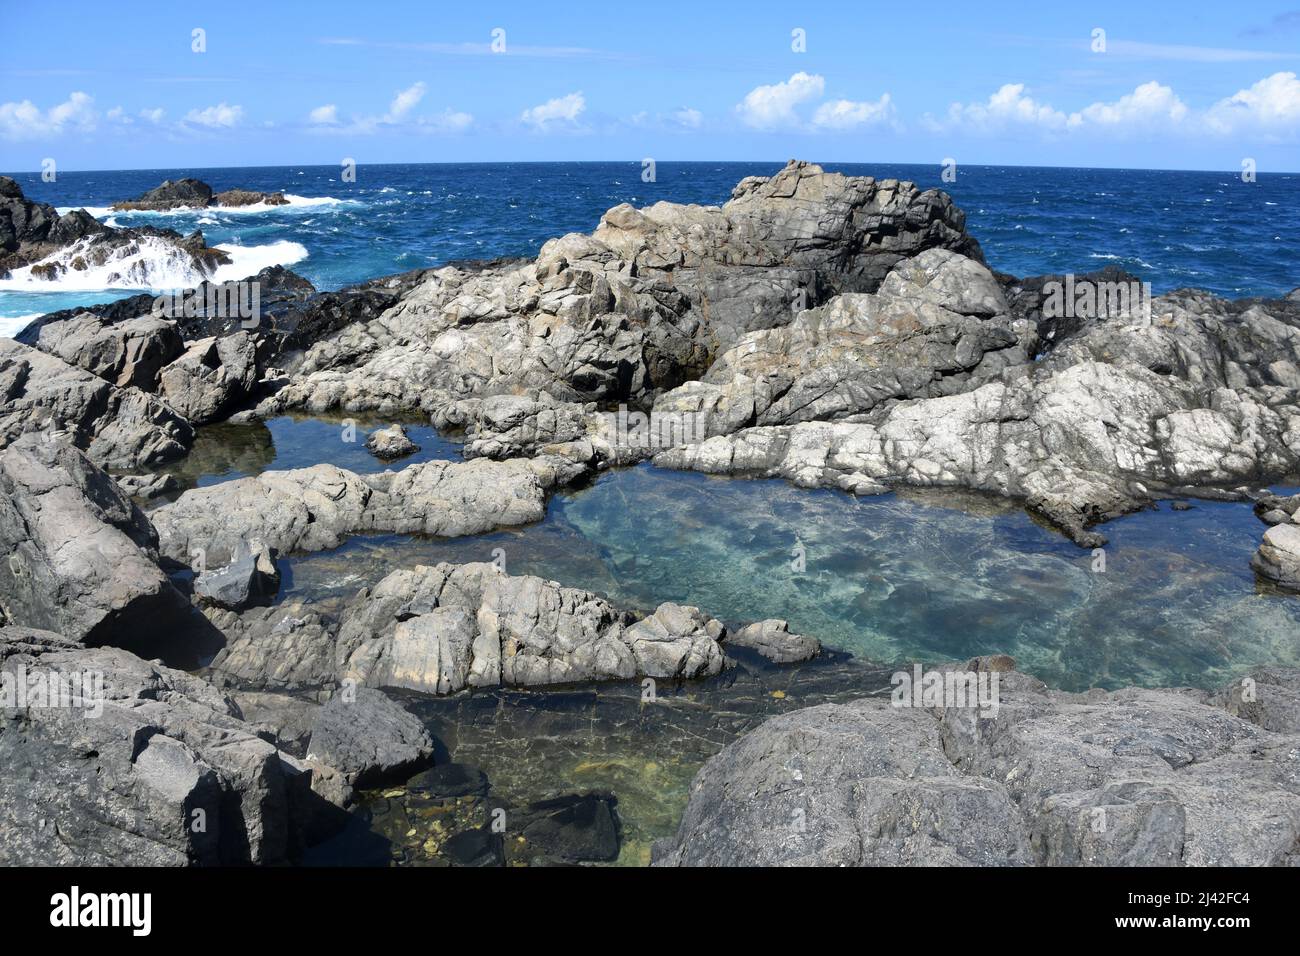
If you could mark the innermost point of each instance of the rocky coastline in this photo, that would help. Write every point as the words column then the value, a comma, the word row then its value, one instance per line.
column 835, row 332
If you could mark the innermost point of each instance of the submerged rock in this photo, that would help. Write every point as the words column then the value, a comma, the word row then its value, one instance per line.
column 1129, row 778
column 582, row 828
column 772, row 639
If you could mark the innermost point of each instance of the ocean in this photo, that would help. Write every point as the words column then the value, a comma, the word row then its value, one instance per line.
column 1204, row 229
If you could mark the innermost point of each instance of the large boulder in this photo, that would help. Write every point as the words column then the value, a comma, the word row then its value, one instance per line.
column 1278, row 557
column 441, row 629
column 81, row 559
column 1129, row 778
column 129, row 353
column 143, row 766
column 211, row 377
column 310, row 509
column 369, row 737
column 116, row 427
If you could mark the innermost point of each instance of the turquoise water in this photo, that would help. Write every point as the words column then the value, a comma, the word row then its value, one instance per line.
column 897, row 578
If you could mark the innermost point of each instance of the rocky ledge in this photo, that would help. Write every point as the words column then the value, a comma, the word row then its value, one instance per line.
column 1129, row 778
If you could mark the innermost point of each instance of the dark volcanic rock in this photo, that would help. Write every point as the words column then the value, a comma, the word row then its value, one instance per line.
column 172, row 194
column 369, row 737
column 580, row 828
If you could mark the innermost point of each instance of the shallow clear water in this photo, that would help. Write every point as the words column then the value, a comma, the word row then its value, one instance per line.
column 897, row 578
column 1205, row 229
column 226, row 451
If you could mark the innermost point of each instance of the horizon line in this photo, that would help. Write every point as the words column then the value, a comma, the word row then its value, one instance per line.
column 635, row 162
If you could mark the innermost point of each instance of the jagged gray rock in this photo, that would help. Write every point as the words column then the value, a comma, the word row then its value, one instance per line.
column 249, row 577
column 166, row 774
column 132, row 352
column 629, row 309
column 1278, row 557
column 1129, row 778
column 772, row 639
column 391, row 443
column 81, row 559
column 369, row 737
column 440, row 629
column 309, row 509
column 211, row 377
column 116, row 427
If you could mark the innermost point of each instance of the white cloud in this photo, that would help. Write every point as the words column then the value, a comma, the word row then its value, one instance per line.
column 448, row 121
column 405, row 101
column 1271, row 106
column 216, row 117
column 1008, row 108
column 326, row 115
column 562, row 109
column 154, row 115
column 847, row 114
column 689, row 118
column 769, row 107
column 1151, row 103
column 325, row 119
column 25, row 120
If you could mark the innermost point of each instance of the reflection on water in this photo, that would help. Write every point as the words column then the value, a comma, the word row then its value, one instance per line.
column 225, row 451
column 895, row 578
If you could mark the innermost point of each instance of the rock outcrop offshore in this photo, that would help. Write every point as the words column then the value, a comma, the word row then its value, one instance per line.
column 196, row 194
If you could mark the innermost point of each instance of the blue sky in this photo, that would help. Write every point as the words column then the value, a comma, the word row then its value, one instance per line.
column 1178, row 85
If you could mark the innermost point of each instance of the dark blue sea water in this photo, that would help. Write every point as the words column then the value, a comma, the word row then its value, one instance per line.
column 1204, row 229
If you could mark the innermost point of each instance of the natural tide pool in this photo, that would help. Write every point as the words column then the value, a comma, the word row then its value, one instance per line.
column 226, row 451
column 912, row 576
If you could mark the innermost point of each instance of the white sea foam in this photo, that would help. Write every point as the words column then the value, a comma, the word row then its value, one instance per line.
column 250, row 260
column 9, row 327
column 293, row 202
column 151, row 263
